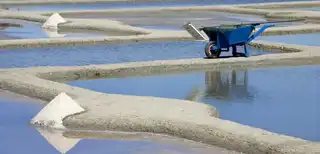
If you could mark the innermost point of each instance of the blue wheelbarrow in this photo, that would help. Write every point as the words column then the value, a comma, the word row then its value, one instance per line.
column 222, row 37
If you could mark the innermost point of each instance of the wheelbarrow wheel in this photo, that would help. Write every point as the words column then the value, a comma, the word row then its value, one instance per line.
column 209, row 53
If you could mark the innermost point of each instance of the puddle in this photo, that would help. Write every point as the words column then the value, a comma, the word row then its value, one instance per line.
column 282, row 100
column 16, row 132
column 173, row 19
column 109, row 5
column 31, row 30
column 300, row 39
column 104, row 54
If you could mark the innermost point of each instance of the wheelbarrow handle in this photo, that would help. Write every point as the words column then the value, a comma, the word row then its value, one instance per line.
column 257, row 23
column 269, row 22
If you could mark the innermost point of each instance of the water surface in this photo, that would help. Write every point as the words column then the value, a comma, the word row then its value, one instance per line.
column 31, row 30
column 105, row 53
column 300, row 39
column 17, row 136
column 282, row 100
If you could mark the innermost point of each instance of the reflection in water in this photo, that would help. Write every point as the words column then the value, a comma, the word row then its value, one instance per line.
column 57, row 139
column 195, row 94
column 52, row 33
column 225, row 85
column 35, row 30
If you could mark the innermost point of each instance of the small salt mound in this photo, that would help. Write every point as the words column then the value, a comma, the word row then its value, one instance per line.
column 53, row 21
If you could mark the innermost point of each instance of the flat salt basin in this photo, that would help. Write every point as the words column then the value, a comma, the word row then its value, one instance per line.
column 17, row 136
column 284, row 100
column 173, row 27
column 136, row 4
column 311, row 9
column 311, row 39
column 31, row 30
column 104, row 54
column 173, row 18
column 302, row 8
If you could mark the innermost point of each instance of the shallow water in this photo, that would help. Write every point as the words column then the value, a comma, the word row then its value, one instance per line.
column 103, row 54
column 93, row 6
column 32, row 30
column 282, row 100
column 300, row 39
column 16, row 132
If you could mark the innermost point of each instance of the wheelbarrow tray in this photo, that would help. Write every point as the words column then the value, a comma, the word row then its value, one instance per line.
column 222, row 37
column 226, row 36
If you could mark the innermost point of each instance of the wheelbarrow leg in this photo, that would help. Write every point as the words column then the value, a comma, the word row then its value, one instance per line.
column 234, row 50
column 246, row 51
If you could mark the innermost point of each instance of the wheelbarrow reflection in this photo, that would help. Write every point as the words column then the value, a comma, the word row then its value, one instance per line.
column 224, row 85
column 53, row 33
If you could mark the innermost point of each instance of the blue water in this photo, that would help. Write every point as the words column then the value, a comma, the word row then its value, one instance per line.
column 108, row 5
column 104, row 54
column 17, row 136
column 32, row 30
column 300, row 39
column 282, row 100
